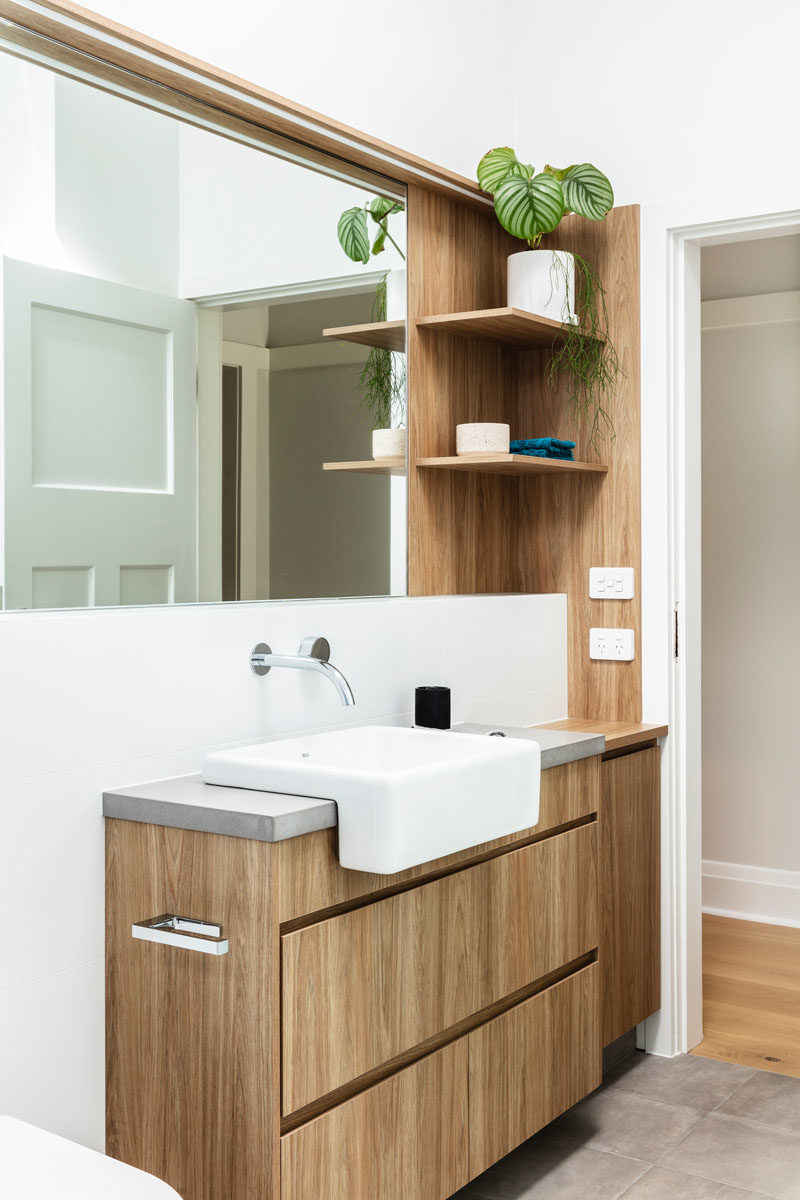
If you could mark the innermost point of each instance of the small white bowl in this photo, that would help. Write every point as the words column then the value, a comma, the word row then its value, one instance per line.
column 485, row 437
column 388, row 443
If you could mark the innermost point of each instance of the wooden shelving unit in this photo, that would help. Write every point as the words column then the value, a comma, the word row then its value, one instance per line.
column 370, row 466
column 511, row 464
column 388, row 335
column 506, row 326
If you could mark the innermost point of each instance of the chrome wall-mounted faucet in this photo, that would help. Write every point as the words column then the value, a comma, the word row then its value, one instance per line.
column 313, row 655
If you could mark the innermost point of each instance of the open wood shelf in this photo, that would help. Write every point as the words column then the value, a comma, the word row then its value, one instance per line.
column 509, row 326
column 370, row 466
column 511, row 464
column 388, row 335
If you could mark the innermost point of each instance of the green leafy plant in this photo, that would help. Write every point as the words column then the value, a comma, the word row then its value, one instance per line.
column 382, row 382
column 529, row 205
column 353, row 230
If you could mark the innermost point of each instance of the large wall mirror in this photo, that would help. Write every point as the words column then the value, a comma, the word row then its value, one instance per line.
column 177, row 426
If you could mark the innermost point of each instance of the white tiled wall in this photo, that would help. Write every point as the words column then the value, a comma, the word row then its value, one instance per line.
column 91, row 701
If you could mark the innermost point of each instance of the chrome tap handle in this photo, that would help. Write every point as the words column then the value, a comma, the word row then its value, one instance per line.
column 315, row 647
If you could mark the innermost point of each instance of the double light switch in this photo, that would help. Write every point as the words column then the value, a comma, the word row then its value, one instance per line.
column 611, row 583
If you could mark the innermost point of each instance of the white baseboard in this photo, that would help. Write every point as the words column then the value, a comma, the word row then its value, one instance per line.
column 751, row 893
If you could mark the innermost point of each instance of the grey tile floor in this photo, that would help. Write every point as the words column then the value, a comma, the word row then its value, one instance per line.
column 662, row 1129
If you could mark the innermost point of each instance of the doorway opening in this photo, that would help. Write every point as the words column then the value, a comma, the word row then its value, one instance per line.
column 735, row 572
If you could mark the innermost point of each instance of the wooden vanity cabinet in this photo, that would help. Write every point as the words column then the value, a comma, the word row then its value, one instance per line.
column 390, row 1042
column 630, row 889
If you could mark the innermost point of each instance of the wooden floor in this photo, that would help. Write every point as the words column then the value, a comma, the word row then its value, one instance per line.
column 751, row 994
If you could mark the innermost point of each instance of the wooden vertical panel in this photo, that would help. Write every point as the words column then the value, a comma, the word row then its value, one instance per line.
column 572, row 523
column 404, row 1139
column 192, row 1058
column 463, row 528
column 630, row 891
column 531, row 1064
column 470, row 532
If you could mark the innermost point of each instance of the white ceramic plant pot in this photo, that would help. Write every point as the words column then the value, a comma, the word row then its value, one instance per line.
column 388, row 443
column 486, row 437
column 542, row 282
column 396, row 295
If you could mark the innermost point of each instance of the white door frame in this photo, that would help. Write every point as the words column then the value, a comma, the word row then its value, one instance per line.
column 672, row 564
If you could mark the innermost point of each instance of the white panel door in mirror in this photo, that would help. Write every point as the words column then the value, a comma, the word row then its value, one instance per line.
column 100, row 462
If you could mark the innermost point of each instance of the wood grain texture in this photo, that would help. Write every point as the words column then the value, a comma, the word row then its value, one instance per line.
column 80, row 30
column 370, row 466
column 751, row 994
column 510, row 464
column 470, row 532
column 463, row 527
column 361, row 988
column 192, row 1079
column 312, row 881
column 406, row 1137
column 630, row 891
column 531, row 1064
column 575, row 523
column 618, row 734
column 389, row 335
column 508, row 326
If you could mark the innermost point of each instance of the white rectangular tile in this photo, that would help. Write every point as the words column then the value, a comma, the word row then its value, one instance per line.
column 53, row 1049
column 504, row 645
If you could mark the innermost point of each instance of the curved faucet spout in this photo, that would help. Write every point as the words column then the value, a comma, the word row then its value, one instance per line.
column 262, row 660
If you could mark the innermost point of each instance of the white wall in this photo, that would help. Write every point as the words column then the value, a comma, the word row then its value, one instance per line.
column 98, row 700
column 751, row 580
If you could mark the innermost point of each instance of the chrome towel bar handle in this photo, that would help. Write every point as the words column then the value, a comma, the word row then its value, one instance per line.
column 187, row 933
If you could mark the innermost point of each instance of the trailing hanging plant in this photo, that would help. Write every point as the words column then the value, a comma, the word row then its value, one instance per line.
column 529, row 205
column 382, row 381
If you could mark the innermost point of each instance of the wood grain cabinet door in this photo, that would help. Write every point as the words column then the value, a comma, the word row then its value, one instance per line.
column 630, row 887
column 403, row 1139
column 365, row 987
column 531, row 1064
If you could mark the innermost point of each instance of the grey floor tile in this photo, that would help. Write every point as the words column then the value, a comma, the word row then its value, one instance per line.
column 624, row 1123
column 741, row 1154
column 660, row 1184
column 543, row 1169
column 685, row 1080
column 768, row 1099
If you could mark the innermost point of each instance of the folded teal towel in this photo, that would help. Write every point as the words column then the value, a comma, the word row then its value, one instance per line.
column 544, row 448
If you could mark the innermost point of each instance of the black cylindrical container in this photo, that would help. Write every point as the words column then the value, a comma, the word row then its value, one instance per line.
column 432, row 707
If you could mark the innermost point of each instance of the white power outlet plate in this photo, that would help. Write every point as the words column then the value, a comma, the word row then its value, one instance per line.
column 611, row 644
column 610, row 583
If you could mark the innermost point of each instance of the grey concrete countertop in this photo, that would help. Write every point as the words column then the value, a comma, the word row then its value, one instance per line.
column 189, row 803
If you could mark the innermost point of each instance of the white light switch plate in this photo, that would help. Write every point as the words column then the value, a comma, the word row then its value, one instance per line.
column 610, row 583
column 611, row 644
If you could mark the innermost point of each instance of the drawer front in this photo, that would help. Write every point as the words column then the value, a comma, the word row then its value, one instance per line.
column 312, row 880
column 406, row 1137
column 630, row 857
column 362, row 988
column 531, row 1064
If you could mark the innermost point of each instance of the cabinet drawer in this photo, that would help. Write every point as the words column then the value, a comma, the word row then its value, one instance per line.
column 531, row 1064
column 630, row 856
column 362, row 988
column 406, row 1137
column 311, row 879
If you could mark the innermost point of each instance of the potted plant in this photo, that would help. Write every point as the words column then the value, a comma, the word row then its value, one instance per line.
column 382, row 382
column 555, row 283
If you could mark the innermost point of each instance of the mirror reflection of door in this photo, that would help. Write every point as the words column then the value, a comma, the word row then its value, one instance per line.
column 168, row 397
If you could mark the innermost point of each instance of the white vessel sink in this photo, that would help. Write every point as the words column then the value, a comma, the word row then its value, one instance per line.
column 405, row 796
